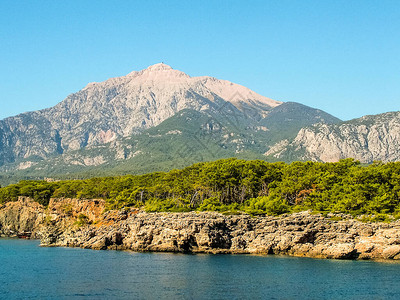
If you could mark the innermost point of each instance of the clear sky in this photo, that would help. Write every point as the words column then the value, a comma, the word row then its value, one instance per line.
column 339, row 56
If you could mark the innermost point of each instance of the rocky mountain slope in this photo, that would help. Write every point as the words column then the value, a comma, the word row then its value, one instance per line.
column 160, row 118
column 155, row 119
column 188, row 137
column 81, row 223
column 118, row 107
column 366, row 139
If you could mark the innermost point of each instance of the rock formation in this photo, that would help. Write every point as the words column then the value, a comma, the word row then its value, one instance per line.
column 299, row 234
column 27, row 218
column 366, row 139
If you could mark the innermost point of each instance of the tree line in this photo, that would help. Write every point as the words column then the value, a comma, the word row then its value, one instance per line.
column 233, row 185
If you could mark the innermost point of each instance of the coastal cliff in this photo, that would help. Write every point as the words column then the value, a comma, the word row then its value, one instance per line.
column 82, row 223
column 28, row 219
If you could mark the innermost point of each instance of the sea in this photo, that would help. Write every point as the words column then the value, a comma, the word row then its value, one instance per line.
column 28, row 271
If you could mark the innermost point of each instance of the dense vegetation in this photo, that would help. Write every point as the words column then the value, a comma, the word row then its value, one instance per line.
column 233, row 185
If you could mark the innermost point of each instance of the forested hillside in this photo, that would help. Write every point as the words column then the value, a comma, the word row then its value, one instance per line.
column 233, row 186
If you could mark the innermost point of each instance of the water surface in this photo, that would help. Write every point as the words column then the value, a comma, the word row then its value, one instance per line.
column 31, row 272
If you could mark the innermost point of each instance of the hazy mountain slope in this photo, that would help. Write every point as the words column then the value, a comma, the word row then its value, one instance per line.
column 369, row 138
column 27, row 135
column 119, row 107
column 291, row 115
column 187, row 137
column 285, row 120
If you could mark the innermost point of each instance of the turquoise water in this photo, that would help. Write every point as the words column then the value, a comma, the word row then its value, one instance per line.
column 31, row 272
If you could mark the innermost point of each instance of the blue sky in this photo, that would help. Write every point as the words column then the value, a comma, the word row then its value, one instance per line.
column 339, row 56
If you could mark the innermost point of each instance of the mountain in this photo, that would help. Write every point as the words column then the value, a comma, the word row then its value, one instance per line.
column 367, row 139
column 187, row 137
column 285, row 120
column 154, row 119
column 119, row 107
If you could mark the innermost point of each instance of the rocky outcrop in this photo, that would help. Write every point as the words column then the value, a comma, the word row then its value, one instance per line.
column 22, row 218
column 366, row 139
column 27, row 218
column 299, row 234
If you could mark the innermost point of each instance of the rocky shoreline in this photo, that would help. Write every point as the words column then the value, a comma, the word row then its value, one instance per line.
column 82, row 223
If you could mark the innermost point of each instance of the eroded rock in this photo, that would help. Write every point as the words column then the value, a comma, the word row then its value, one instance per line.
column 299, row 234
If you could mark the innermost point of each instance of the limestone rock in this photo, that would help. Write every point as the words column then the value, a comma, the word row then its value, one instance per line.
column 298, row 234
column 366, row 139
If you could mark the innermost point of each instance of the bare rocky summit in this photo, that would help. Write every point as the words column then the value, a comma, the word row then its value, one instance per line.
column 299, row 234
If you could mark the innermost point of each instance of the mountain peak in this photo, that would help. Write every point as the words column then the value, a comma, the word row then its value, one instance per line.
column 159, row 72
column 159, row 67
